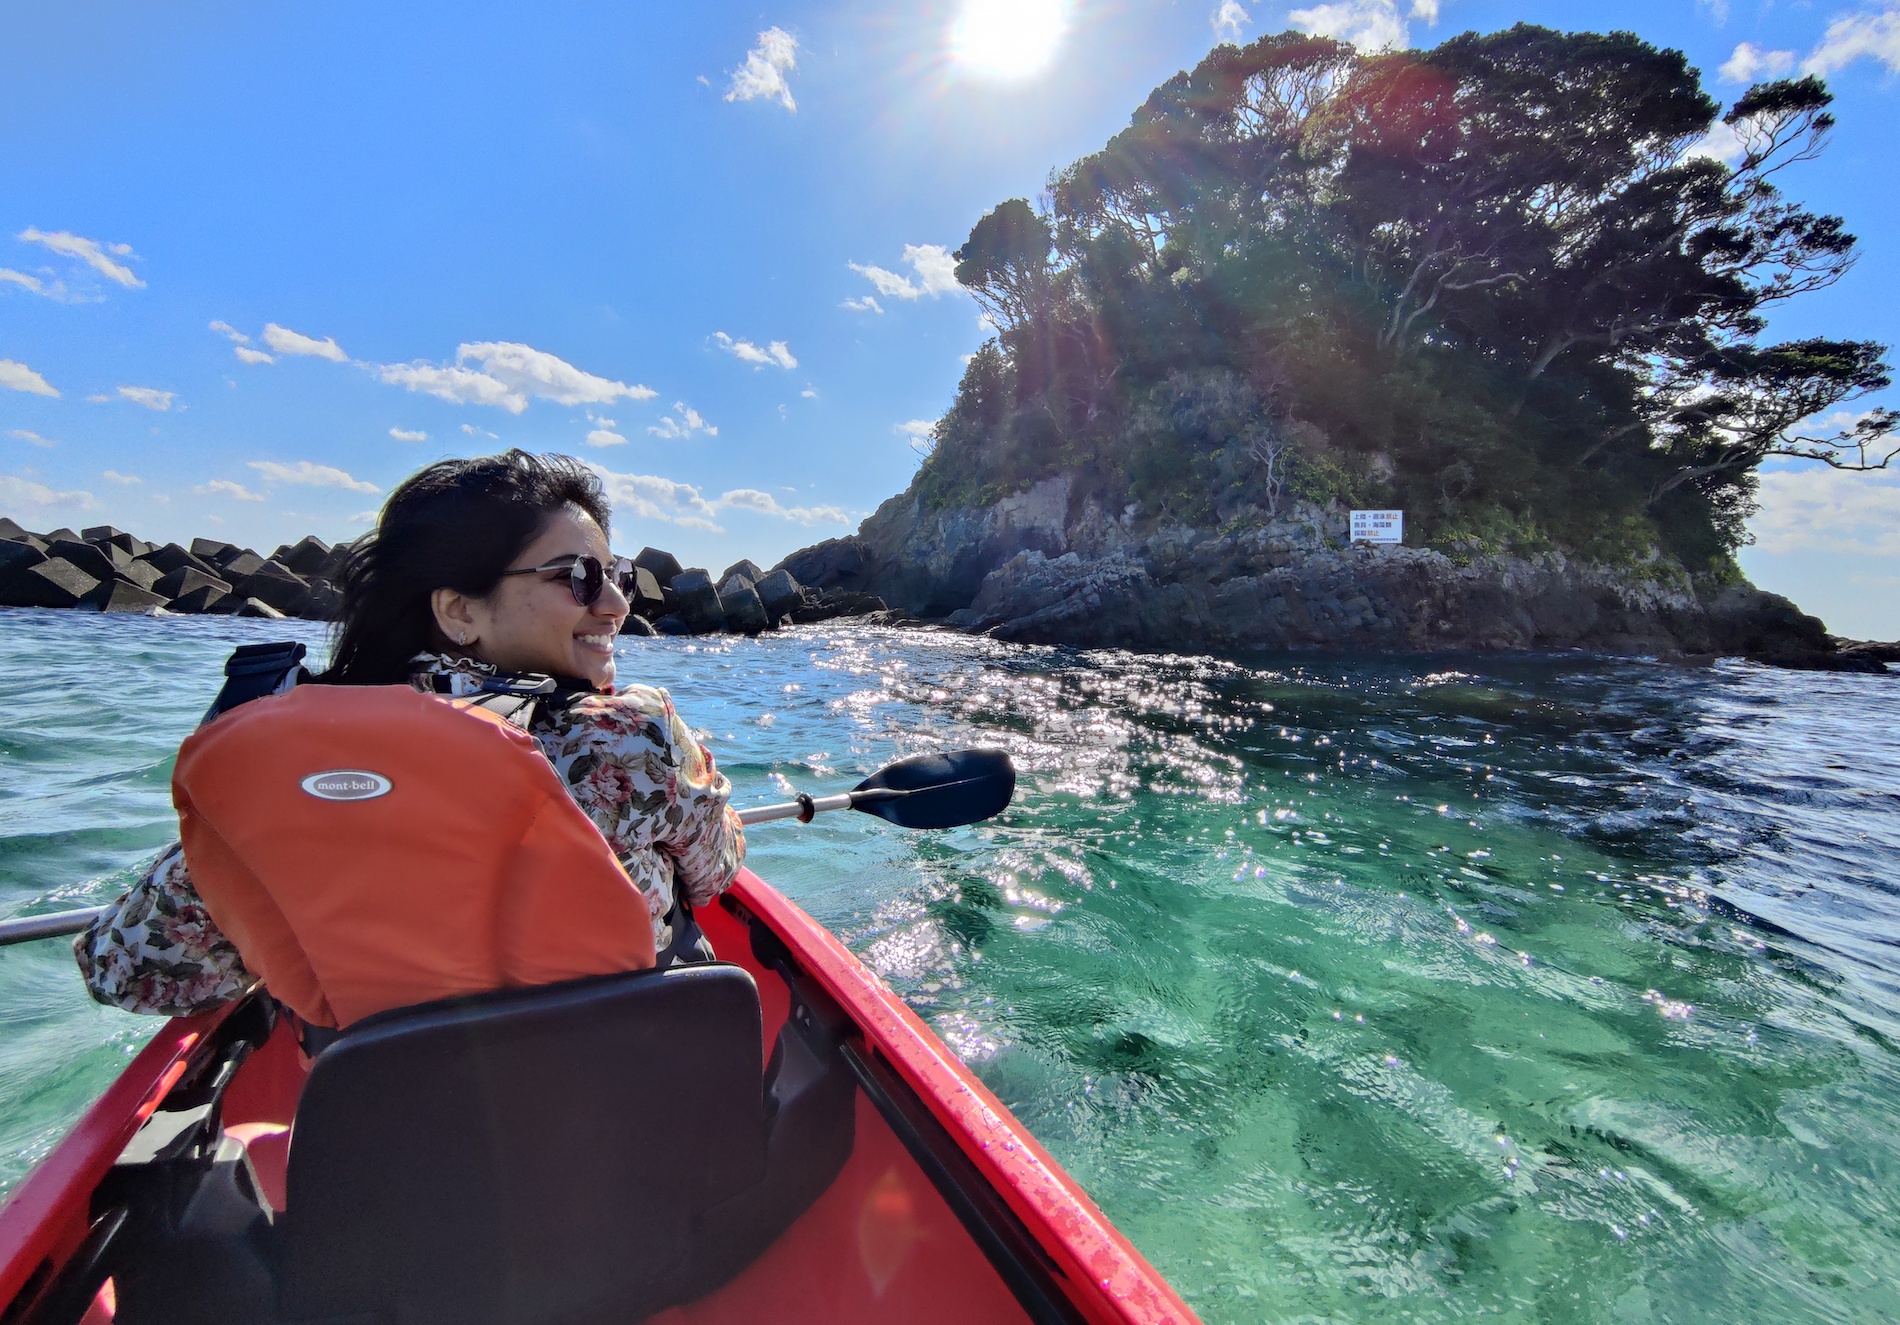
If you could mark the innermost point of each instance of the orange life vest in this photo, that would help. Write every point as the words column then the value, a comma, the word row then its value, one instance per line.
column 369, row 847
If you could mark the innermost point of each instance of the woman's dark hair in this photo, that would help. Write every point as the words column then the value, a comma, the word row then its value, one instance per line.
column 456, row 525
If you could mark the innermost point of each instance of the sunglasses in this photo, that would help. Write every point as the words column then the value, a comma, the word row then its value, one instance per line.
column 586, row 576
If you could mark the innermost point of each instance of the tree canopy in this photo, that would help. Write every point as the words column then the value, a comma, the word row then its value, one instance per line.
column 1507, row 283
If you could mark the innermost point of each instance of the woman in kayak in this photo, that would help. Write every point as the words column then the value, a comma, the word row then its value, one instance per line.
column 483, row 568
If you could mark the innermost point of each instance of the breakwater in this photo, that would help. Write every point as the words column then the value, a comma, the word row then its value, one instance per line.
column 104, row 569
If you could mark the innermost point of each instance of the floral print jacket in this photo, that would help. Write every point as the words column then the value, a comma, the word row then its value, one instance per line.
column 626, row 759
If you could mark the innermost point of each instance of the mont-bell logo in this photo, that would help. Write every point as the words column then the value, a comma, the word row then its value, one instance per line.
column 347, row 784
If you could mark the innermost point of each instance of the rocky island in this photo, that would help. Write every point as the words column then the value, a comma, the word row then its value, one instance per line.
column 1498, row 285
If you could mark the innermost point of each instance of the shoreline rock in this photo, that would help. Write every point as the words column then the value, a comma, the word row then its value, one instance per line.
column 1038, row 567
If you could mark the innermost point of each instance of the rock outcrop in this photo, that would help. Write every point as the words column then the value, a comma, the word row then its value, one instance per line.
column 1041, row 567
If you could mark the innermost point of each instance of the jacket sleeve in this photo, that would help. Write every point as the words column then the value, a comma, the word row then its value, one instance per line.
column 706, row 842
column 157, row 950
column 654, row 792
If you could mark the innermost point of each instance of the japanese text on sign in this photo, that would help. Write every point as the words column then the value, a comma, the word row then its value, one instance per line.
column 1378, row 526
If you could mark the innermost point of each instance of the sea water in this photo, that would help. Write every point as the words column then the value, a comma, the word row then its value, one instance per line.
column 1553, row 989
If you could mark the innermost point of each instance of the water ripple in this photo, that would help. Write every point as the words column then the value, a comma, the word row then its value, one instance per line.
column 1377, row 988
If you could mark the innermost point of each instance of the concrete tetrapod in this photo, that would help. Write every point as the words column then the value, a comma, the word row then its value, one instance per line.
column 52, row 583
column 699, row 605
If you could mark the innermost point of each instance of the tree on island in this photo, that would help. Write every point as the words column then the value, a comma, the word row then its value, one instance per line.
column 1502, row 283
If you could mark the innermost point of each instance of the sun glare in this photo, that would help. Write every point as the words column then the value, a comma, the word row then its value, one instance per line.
column 1007, row 38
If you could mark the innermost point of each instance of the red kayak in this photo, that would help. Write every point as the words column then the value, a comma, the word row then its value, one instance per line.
column 771, row 1137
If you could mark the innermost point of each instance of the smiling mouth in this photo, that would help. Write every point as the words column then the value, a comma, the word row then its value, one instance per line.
column 597, row 641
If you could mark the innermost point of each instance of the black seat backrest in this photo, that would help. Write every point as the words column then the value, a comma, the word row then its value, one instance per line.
column 525, row 1156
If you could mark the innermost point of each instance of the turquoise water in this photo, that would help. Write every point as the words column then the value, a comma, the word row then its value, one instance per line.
column 1352, row 989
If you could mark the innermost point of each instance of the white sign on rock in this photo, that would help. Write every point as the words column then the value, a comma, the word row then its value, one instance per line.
column 1378, row 526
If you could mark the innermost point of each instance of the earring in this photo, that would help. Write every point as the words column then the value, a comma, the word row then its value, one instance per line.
column 462, row 638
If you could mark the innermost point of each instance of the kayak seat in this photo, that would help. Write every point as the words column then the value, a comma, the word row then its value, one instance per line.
column 572, row 1154
column 550, row 1155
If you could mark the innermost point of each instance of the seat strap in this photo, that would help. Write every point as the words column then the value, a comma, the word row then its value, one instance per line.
column 256, row 670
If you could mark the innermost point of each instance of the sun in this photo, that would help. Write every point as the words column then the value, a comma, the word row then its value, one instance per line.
column 1007, row 38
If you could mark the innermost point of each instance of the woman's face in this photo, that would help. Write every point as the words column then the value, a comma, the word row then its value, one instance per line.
column 531, row 623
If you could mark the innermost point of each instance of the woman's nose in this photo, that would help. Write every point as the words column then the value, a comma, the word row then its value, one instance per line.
column 611, row 602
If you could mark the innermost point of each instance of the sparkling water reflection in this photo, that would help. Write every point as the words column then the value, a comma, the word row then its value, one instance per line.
column 1553, row 989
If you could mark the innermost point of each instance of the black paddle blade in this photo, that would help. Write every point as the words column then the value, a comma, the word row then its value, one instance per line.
column 939, row 791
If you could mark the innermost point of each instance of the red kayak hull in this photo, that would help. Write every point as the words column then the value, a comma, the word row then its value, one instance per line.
column 941, row 1176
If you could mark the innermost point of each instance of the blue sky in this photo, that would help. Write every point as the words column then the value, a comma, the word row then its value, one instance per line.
column 271, row 259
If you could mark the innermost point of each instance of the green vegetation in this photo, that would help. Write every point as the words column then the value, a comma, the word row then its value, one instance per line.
column 1494, row 283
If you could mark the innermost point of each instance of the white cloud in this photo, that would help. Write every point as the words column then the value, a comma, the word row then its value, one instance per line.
column 868, row 304
column 473, row 431
column 605, row 437
column 224, row 487
column 1828, row 510
column 404, row 435
column 508, row 374
column 682, row 422
column 1750, row 64
column 809, row 393
column 764, row 503
column 127, row 480
column 920, row 433
column 18, row 492
column 89, row 251
column 1715, row 9
column 1371, row 25
column 936, row 269
column 934, row 273
column 1723, row 142
column 764, row 70
column 775, row 353
column 32, row 438
column 309, row 475
column 18, row 377
column 650, row 497
column 148, row 396
column 286, row 341
column 888, row 283
column 32, row 283
column 538, row 373
column 1229, row 19
column 463, row 386
column 1858, row 36
column 240, row 343
column 750, row 499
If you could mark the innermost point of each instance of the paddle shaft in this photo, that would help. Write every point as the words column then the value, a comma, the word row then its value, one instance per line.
column 56, row 923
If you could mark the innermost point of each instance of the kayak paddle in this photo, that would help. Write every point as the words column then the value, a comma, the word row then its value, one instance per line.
column 925, row 791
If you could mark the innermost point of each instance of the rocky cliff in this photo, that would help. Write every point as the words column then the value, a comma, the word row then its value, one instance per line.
column 1041, row 566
